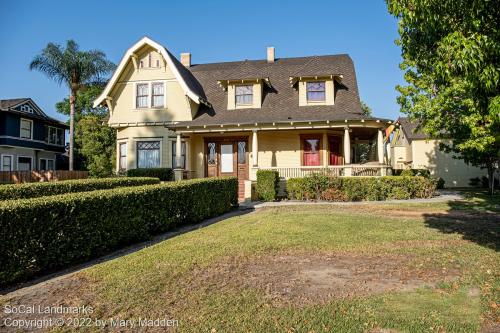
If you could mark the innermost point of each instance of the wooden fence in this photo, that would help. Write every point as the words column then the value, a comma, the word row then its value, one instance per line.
column 18, row 177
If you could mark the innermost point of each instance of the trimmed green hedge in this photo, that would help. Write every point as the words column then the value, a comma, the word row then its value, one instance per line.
column 47, row 233
column 320, row 187
column 267, row 184
column 164, row 174
column 33, row 190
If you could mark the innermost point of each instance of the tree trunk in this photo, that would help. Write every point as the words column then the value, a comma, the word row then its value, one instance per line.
column 491, row 180
column 72, row 98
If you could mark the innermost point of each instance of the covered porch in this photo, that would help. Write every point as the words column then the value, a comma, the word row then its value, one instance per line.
column 350, row 148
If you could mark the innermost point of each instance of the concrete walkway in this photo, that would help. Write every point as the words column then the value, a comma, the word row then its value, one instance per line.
column 444, row 196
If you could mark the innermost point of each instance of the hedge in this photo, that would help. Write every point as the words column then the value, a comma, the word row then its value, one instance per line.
column 164, row 174
column 46, row 233
column 267, row 184
column 321, row 187
column 33, row 190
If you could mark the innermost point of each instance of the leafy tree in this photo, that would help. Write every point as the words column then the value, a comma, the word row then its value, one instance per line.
column 451, row 53
column 367, row 111
column 94, row 141
column 75, row 69
column 97, row 145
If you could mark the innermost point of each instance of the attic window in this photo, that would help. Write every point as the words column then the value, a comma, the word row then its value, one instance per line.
column 26, row 108
column 244, row 95
column 316, row 91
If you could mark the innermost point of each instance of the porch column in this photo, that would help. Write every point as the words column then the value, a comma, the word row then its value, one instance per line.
column 347, row 152
column 255, row 148
column 380, row 146
column 178, row 158
column 325, row 150
column 188, row 160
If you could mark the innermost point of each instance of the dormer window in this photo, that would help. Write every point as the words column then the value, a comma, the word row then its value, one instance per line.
column 244, row 95
column 316, row 91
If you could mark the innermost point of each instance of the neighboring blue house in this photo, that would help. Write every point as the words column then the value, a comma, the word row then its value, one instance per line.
column 29, row 139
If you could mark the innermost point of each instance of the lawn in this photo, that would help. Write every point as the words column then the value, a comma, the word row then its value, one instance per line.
column 430, row 267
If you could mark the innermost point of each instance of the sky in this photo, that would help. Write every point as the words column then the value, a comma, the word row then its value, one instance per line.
column 213, row 31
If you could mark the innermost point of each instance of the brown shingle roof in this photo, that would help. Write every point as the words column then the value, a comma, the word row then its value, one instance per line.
column 410, row 129
column 281, row 101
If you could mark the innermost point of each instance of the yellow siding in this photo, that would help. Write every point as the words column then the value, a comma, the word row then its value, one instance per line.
column 456, row 173
column 178, row 106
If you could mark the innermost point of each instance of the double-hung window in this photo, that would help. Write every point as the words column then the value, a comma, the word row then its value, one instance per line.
column 142, row 95
column 244, row 95
column 316, row 91
column 157, row 98
column 123, row 156
column 7, row 163
column 148, row 154
column 26, row 129
column 183, row 155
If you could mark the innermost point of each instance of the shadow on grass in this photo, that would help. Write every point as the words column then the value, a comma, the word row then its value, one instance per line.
column 477, row 219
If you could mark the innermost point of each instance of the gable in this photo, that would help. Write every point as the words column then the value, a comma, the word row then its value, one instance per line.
column 29, row 107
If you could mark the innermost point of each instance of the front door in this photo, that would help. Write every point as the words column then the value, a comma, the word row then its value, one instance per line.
column 227, row 156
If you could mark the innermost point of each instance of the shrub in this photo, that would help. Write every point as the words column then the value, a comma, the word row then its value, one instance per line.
column 267, row 184
column 360, row 188
column 413, row 172
column 46, row 233
column 33, row 190
column 164, row 174
column 440, row 183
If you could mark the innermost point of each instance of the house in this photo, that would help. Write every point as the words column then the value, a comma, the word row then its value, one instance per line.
column 29, row 139
column 413, row 149
column 293, row 115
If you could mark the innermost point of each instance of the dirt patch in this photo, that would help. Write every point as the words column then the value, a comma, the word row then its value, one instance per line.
column 311, row 279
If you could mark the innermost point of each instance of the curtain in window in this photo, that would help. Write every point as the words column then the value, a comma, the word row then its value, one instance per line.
column 311, row 152
column 183, row 155
column 142, row 95
column 148, row 154
column 244, row 95
column 157, row 94
column 315, row 91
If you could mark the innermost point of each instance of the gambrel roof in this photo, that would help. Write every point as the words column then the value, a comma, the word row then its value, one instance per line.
column 26, row 107
column 188, row 83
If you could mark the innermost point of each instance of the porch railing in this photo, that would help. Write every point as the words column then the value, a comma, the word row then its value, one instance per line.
column 333, row 170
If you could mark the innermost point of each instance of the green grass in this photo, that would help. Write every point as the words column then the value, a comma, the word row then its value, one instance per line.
column 164, row 279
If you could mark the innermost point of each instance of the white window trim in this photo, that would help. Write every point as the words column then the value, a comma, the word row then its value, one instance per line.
column 308, row 101
column 119, row 143
column 47, row 162
column 21, row 156
column 11, row 162
column 20, row 127
column 144, row 140
column 150, row 95
column 56, row 128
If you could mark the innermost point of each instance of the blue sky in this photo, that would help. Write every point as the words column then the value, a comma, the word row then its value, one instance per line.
column 212, row 31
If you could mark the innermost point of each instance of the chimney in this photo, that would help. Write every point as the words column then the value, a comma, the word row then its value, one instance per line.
column 186, row 59
column 270, row 54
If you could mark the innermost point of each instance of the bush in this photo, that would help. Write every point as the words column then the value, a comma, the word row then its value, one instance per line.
column 267, row 184
column 33, row 190
column 46, row 233
column 440, row 183
column 360, row 188
column 164, row 174
column 413, row 172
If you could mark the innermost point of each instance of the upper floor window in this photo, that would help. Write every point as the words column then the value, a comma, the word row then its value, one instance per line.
column 316, row 91
column 157, row 97
column 244, row 95
column 54, row 135
column 142, row 95
column 26, row 130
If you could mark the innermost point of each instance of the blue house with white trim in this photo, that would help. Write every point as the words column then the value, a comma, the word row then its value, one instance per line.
column 29, row 139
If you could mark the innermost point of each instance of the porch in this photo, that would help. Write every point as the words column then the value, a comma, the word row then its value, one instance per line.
column 349, row 149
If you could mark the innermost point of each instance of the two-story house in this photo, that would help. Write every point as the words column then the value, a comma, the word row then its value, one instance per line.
column 293, row 115
column 29, row 139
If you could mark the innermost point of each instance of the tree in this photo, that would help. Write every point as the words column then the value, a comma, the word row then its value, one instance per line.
column 451, row 53
column 94, row 140
column 367, row 111
column 97, row 145
column 75, row 69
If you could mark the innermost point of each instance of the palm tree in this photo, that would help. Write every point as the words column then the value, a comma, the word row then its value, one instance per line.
column 75, row 69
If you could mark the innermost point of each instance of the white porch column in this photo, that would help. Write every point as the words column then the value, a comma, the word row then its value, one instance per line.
column 380, row 146
column 347, row 152
column 178, row 157
column 188, row 160
column 255, row 149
